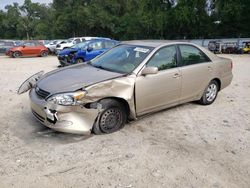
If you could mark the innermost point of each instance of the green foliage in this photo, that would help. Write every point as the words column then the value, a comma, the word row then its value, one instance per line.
column 127, row 19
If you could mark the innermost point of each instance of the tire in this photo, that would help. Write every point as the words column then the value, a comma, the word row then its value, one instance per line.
column 210, row 93
column 79, row 60
column 111, row 119
column 44, row 54
column 16, row 54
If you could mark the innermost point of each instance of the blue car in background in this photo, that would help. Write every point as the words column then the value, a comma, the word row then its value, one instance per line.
column 85, row 51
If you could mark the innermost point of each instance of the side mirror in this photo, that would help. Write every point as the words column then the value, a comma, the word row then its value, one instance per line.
column 23, row 46
column 149, row 70
column 89, row 49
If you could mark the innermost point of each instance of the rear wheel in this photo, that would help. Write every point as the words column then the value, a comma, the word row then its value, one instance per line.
column 16, row 54
column 44, row 54
column 111, row 119
column 210, row 93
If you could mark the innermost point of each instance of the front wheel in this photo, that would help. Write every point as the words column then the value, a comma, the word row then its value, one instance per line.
column 111, row 119
column 79, row 60
column 16, row 54
column 210, row 93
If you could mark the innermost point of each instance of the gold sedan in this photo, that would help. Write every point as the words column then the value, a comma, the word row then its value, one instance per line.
column 130, row 80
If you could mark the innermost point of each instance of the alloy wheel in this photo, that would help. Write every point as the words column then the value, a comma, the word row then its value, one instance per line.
column 211, row 92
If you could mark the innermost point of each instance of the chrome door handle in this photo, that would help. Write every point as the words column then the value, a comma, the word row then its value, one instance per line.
column 209, row 68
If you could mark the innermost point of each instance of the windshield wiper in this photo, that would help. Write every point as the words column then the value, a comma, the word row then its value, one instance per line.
column 98, row 66
column 104, row 68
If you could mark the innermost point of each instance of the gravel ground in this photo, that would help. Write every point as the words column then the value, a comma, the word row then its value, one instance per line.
column 186, row 146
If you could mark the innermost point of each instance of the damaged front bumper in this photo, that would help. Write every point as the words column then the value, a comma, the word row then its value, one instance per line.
column 69, row 119
column 66, row 60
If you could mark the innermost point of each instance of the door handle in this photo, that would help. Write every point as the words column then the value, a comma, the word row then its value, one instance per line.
column 209, row 68
column 176, row 75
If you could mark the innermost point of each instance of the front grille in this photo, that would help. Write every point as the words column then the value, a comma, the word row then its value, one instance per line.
column 40, row 118
column 66, row 59
column 41, row 93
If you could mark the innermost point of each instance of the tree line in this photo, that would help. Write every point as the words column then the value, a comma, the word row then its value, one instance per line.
column 126, row 19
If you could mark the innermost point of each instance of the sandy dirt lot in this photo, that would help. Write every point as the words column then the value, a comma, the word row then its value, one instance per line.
column 186, row 146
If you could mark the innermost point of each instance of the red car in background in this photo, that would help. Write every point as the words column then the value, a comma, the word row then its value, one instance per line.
column 30, row 48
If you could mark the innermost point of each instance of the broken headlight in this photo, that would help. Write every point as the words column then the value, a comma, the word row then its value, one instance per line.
column 67, row 99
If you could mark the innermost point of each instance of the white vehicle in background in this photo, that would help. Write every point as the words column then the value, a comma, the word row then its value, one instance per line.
column 72, row 41
column 52, row 45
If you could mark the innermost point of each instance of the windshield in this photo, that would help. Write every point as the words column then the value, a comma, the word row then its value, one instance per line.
column 80, row 45
column 69, row 40
column 122, row 59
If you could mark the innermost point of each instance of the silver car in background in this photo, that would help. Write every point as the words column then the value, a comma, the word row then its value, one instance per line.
column 130, row 80
column 52, row 45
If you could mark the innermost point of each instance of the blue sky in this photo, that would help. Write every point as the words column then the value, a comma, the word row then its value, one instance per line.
column 3, row 3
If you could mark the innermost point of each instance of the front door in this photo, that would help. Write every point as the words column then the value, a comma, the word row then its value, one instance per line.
column 29, row 48
column 96, row 49
column 158, row 91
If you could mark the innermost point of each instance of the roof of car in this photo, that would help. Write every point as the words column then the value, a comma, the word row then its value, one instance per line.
column 151, row 43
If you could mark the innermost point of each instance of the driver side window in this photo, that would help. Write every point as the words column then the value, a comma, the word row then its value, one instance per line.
column 164, row 59
column 96, row 45
column 29, row 44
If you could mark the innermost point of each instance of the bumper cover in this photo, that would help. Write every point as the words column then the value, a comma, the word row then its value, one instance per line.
column 69, row 119
column 66, row 60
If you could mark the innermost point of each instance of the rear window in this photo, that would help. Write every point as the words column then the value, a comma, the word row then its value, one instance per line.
column 191, row 55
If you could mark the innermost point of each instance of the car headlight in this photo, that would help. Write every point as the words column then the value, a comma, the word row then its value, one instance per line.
column 67, row 99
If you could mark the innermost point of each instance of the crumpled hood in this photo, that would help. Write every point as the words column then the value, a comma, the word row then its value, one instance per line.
column 73, row 78
column 67, row 51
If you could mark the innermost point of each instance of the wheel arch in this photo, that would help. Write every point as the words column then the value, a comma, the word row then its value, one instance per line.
column 122, row 101
column 79, row 57
column 218, row 81
column 43, row 50
column 118, row 99
column 17, row 51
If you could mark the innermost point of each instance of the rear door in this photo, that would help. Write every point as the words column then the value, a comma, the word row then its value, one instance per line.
column 157, row 91
column 37, row 48
column 196, row 70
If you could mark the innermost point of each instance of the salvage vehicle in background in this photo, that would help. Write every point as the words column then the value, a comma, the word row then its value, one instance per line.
column 231, row 48
column 246, row 47
column 85, row 51
column 5, row 45
column 130, row 80
column 52, row 45
column 215, row 46
column 29, row 48
column 72, row 41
